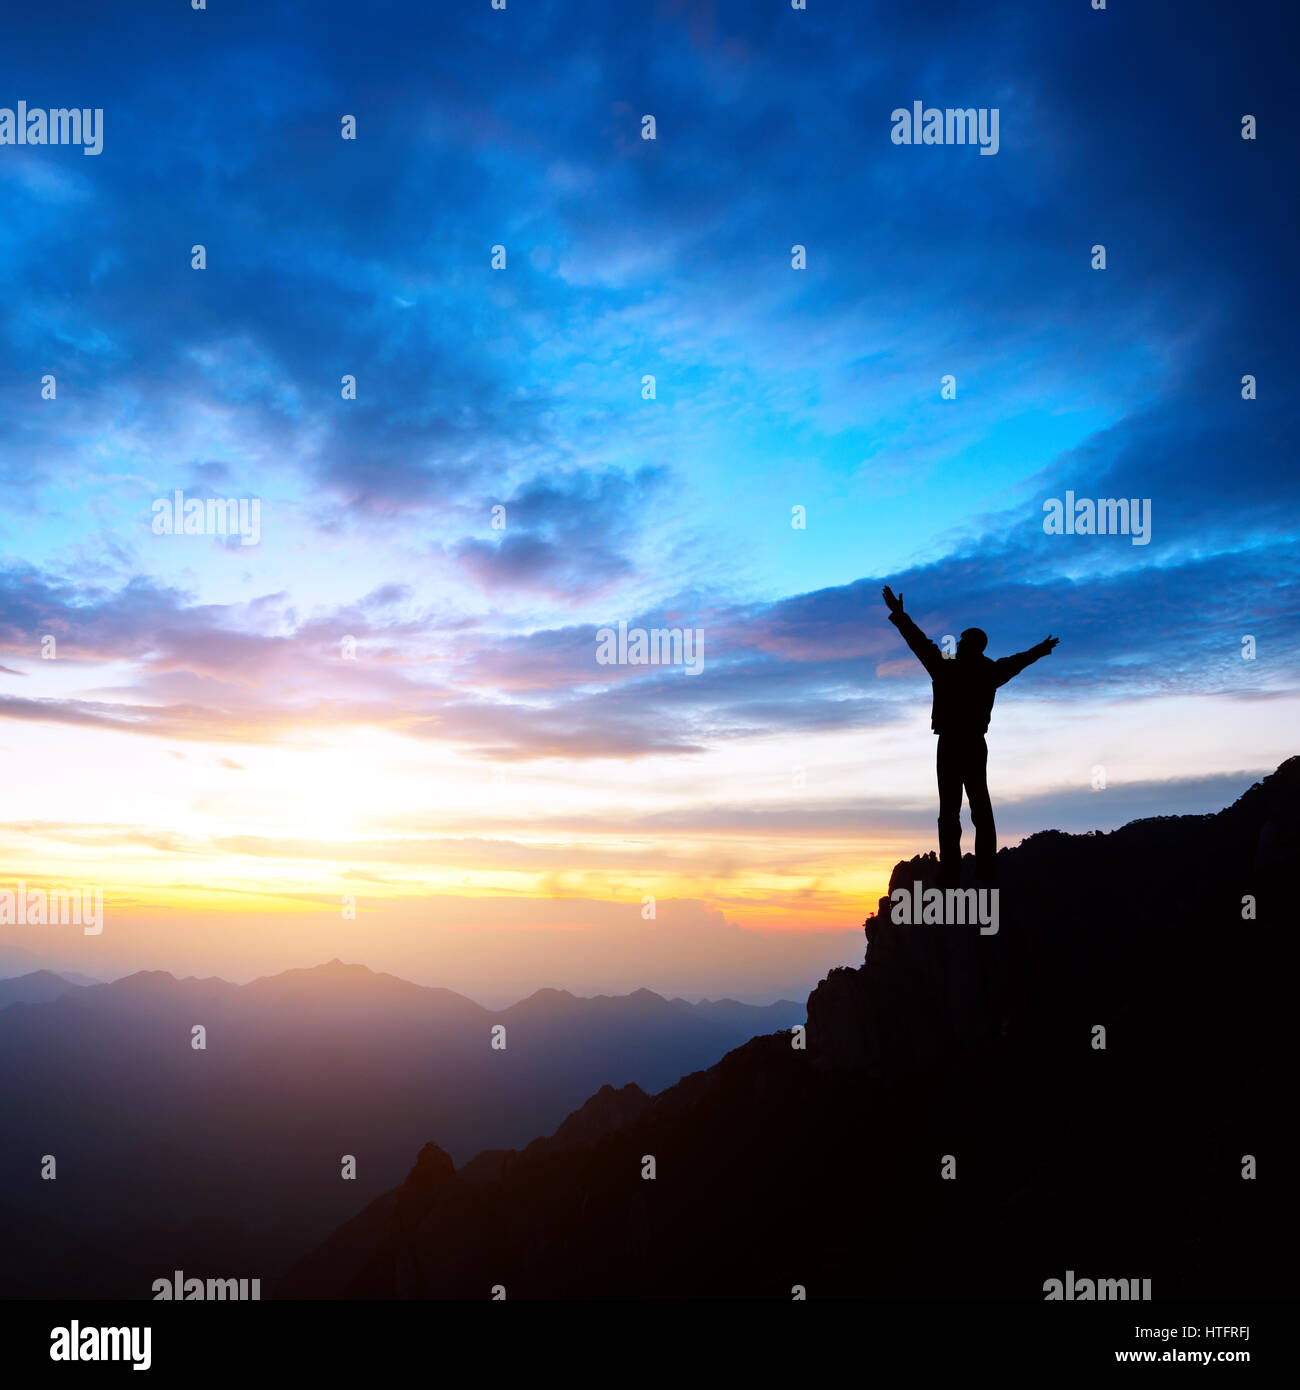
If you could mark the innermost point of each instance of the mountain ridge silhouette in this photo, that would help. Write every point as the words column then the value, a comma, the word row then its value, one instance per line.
column 823, row 1168
column 229, row 1157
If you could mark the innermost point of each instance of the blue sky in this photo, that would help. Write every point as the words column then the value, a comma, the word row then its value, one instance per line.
column 776, row 388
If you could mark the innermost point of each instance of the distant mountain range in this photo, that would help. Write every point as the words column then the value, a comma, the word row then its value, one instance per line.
column 228, row 1159
column 1104, row 1086
column 36, row 988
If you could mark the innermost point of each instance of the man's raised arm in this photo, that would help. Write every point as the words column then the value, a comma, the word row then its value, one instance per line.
column 1009, row 666
column 926, row 652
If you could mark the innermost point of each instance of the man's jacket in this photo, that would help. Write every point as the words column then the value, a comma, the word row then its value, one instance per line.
column 963, row 689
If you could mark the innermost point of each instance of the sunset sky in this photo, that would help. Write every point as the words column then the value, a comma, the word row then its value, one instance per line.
column 496, row 801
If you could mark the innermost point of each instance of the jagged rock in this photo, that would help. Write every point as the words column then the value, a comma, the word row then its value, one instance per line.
column 607, row 1111
column 433, row 1167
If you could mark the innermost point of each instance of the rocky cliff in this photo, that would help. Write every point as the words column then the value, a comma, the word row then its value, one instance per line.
column 1101, row 1084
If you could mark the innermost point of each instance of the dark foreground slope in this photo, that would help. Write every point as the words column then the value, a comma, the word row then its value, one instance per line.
column 822, row 1167
column 228, row 1159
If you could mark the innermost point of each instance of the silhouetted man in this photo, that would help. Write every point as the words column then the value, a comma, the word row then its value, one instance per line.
column 964, row 687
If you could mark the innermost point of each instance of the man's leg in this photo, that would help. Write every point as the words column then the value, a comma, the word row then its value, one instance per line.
column 976, row 778
column 948, row 764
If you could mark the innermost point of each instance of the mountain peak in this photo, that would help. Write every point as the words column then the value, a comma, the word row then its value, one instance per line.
column 147, row 977
column 340, row 967
column 610, row 1109
column 331, row 971
column 433, row 1167
column 36, row 987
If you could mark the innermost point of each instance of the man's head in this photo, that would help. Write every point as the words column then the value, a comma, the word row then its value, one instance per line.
column 972, row 643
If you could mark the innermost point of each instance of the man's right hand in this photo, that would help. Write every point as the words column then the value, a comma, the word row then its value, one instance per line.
column 893, row 601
